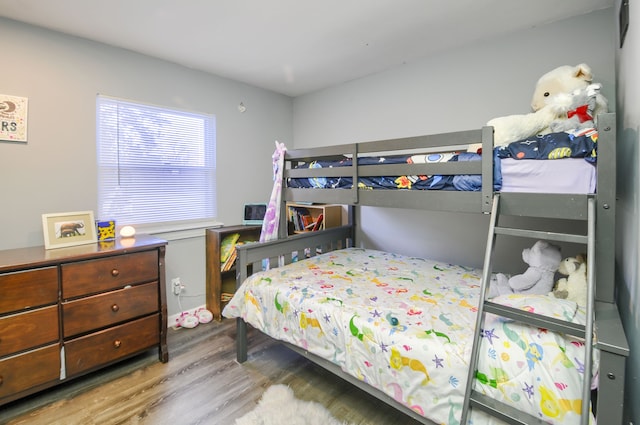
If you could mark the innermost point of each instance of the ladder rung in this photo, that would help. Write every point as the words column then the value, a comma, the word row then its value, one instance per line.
column 507, row 413
column 539, row 234
column 538, row 320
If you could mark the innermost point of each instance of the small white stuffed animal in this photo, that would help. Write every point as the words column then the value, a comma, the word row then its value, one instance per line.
column 543, row 259
column 574, row 286
column 581, row 105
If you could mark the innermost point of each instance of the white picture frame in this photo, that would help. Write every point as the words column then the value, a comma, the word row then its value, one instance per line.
column 68, row 229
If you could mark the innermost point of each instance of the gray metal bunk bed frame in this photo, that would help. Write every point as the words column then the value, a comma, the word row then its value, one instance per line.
column 611, row 340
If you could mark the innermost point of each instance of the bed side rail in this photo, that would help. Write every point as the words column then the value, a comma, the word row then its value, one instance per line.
column 445, row 142
column 606, row 208
column 434, row 142
column 251, row 256
column 285, row 251
column 614, row 350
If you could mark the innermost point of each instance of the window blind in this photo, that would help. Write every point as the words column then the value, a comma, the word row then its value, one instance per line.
column 155, row 164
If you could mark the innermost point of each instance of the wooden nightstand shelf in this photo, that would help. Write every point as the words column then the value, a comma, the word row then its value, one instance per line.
column 69, row 311
column 221, row 283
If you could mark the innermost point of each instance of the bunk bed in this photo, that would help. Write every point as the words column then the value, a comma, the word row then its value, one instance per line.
column 366, row 345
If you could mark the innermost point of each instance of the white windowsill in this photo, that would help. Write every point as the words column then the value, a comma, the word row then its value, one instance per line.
column 177, row 230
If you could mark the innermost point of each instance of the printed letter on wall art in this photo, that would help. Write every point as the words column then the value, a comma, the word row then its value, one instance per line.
column 13, row 118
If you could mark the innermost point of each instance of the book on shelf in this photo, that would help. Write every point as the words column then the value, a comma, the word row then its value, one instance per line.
column 300, row 217
column 303, row 221
column 227, row 246
column 228, row 265
column 225, row 297
column 233, row 256
column 307, row 221
column 318, row 223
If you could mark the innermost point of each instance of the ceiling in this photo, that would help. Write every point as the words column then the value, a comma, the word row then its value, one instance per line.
column 292, row 47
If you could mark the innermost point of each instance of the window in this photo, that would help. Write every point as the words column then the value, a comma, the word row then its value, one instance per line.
column 155, row 165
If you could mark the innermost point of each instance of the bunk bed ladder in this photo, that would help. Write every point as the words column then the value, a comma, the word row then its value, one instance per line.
column 493, row 407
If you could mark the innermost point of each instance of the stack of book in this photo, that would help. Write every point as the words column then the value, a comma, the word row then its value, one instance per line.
column 228, row 253
column 303, row 221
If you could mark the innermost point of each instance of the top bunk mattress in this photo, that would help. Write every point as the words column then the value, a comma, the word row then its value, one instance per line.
column 553, row 163
column 570, row 175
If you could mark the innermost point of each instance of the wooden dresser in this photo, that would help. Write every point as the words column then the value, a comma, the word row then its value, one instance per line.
column 68, row 311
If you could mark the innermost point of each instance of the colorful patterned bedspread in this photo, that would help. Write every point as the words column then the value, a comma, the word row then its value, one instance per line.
column 404, row 325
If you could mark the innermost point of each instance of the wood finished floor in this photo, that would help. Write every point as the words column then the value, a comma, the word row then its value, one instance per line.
column 201, row 384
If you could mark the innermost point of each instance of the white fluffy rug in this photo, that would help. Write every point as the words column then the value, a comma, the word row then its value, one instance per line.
column 278, row 406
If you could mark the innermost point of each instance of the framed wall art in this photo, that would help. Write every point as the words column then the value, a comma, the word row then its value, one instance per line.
column 13, row 118
column 68, row 229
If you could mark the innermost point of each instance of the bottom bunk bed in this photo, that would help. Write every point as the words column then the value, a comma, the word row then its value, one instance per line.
column 403, row 326
column 401, row 329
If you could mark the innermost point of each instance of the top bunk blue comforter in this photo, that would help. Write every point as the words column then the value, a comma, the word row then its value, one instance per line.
column 552, row 146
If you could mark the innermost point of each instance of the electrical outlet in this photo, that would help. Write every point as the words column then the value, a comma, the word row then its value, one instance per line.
column 176, row 284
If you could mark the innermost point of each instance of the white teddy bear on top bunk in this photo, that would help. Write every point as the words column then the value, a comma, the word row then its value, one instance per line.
column 564, row 99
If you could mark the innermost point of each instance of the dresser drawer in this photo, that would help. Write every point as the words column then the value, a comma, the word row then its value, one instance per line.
column 93, row 350
column 93, row 276
column 27, row 370
column 98, row 311
column 33, row 328
column 33, row 288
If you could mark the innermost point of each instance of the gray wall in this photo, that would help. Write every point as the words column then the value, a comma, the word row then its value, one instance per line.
column 56, row 170
column 457, row 90
column 628, row 205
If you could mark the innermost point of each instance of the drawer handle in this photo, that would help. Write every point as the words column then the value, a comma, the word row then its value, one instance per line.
column 115, row 272
column 1, row 380
column 117, row 343
column 115, row 308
